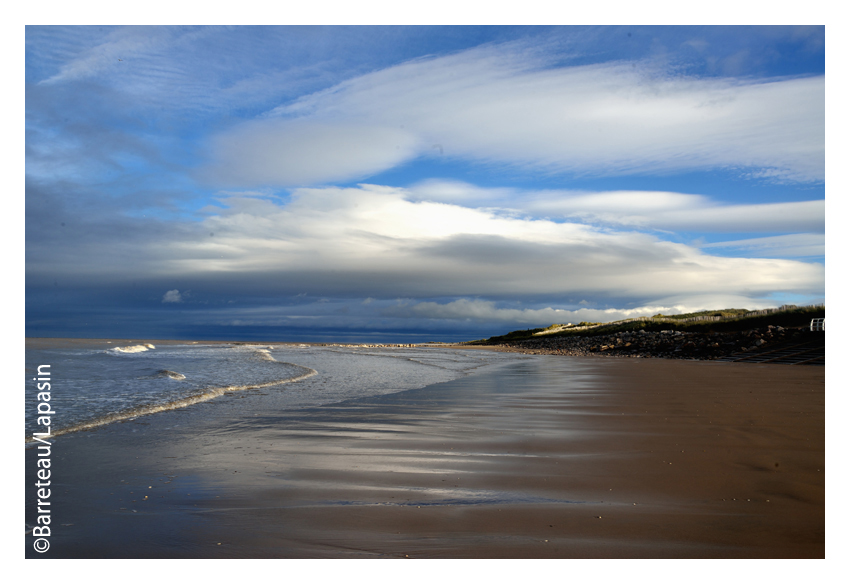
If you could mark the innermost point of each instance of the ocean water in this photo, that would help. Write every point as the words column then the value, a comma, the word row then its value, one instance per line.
column 98, row 383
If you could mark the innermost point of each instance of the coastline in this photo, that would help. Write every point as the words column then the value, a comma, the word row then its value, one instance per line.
column 549, row 457
column 756, row 345
column 768, row 344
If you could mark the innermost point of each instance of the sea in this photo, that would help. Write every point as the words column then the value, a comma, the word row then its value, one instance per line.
column 95, row 383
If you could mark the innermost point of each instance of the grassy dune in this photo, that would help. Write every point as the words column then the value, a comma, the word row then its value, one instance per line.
column 725, row 320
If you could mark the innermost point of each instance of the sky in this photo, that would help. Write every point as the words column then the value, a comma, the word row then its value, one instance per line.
column 417, row 183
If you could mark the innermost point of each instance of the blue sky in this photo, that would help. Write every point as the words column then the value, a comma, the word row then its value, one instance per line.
column 416, row 183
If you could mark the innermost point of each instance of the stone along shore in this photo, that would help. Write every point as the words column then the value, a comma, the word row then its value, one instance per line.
column 665, row 344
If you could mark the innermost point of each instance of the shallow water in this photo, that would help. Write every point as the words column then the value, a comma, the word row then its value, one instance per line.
column 92, row 384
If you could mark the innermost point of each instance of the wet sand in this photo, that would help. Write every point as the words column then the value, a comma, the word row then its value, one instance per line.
column 545, row 458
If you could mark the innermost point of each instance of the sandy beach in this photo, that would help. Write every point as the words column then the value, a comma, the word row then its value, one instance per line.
column 550, row 457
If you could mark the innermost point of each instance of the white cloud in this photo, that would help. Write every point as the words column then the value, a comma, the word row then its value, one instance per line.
column 500, row 104
column 462, row 193
column 172, row 296
column 374, row 242
column 675, row 211
column 488, row 311
column 298, row 152
column 792, row 245
column 639, row 209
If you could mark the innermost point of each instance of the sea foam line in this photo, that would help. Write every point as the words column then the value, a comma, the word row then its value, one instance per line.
column 146, row 410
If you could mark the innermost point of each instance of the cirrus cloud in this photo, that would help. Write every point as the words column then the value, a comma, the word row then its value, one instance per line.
column 505, row 104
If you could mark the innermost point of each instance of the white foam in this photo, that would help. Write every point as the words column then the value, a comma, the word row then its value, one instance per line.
column 207, row 395
column 264, row 354
column 133, row 348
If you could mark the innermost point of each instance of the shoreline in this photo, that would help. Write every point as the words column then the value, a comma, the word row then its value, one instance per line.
column 577, row 457
column 742, row 345
column 199, row 396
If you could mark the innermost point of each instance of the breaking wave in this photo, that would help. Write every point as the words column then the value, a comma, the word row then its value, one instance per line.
column 172, row 405
column 202, row 396
column 132, row 348
column 171, row 374
column 264, row 355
